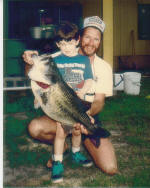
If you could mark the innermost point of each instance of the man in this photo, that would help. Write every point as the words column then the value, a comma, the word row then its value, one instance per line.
column 44, row 128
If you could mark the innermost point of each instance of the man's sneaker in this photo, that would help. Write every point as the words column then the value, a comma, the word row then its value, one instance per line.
column 80, row 159
column 57, row 172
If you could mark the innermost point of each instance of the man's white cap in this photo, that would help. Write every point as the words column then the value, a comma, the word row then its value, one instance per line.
column 94, row 21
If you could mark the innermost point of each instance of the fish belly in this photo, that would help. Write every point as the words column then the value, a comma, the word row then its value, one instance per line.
column 55, row 106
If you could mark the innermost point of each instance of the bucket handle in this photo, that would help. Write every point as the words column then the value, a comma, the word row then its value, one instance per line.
column 115, row 85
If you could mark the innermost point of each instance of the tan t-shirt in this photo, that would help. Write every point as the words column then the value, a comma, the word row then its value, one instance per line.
column 103, row 79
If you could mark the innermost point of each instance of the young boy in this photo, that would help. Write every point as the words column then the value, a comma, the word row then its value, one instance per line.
column 76, row 71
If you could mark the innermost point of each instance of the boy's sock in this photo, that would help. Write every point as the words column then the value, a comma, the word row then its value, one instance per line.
column 57, row 157
column 75, row 149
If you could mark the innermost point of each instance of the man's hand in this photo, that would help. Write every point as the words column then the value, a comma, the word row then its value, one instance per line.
column 80, row 94
column 84, row 130
column 78, row 126
column 98, row 104
column 27, row 56
column 92, row 119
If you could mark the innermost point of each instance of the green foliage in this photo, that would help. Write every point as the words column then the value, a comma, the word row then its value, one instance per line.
column 136, row 140
column 35, row 113
column 14, row 127
column 47, row 183
column 141, row 178
column 125, row 107
column 14, row 136
column 131, row 112
column 14, row 103
column 28, row 157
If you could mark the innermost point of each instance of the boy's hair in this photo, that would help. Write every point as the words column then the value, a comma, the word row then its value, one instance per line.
column 67, row 31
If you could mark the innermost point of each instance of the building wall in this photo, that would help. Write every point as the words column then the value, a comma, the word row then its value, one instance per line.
column 126, row 29
column 91, row 8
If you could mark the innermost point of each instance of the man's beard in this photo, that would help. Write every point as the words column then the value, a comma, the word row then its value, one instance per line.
column 87, row 52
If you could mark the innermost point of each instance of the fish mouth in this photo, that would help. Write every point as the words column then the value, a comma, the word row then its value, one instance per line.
column 42, row 85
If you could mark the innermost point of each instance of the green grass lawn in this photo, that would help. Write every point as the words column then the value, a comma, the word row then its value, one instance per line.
column 128, row 114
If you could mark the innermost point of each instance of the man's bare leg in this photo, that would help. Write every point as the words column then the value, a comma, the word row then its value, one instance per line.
column 43, row 129
column 103, row 156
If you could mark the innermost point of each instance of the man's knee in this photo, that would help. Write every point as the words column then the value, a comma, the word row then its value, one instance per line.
column 34, row 128
column 110, row 169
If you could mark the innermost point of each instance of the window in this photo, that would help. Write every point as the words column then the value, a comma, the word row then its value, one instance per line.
column 144, row 21
column 22, row 15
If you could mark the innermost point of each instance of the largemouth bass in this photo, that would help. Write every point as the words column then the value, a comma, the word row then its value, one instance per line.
column 57, row 99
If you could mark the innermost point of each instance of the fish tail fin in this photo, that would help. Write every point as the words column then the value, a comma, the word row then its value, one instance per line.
column 95, row 137
column 101, row 132
column 95, row 140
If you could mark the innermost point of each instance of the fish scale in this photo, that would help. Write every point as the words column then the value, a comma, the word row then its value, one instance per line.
column 78, row 113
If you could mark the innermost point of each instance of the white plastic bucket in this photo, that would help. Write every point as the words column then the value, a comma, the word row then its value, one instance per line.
column 118, row 82
column 132, row 83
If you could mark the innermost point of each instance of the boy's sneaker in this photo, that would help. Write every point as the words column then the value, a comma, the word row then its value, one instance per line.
column 57, row 172
column 80, row 159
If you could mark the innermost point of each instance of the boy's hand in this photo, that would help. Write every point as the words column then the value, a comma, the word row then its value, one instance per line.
column 84, row 130
column 27, row 56
column 78, row 126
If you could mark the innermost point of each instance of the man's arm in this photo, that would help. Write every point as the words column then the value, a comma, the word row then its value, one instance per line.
column 27, row 56
column 86, row 86
column 97, row 105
